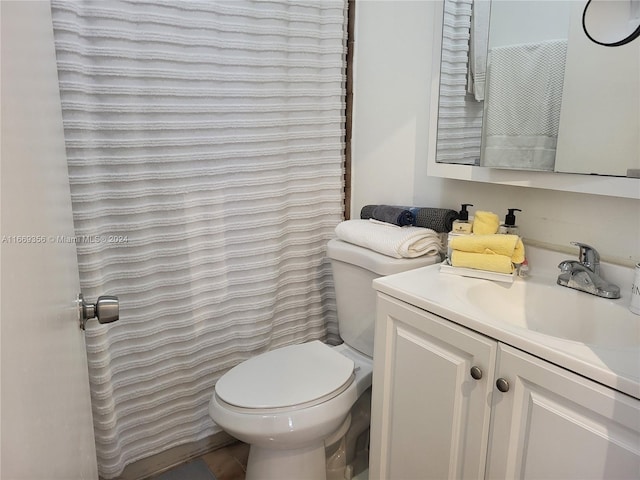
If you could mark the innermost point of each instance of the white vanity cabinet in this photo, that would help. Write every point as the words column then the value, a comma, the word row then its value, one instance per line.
column 432, row 419
column 552, row 423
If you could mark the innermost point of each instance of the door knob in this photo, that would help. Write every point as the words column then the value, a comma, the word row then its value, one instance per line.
column 106, row 309
column 476, row 373
column 503, row 385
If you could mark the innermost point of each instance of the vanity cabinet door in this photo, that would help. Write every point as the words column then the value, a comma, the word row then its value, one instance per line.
column 552, row 423
column 430, row 417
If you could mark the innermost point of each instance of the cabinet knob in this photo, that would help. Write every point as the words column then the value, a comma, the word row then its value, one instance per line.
column 476, row 373
column 502, row 384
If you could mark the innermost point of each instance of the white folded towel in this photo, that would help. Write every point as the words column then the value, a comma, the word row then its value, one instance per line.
column 478, row 41
column 522, row 105
column 391, row 240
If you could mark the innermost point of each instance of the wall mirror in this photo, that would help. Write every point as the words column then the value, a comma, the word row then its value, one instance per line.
column 612, row 23
column 522, row 90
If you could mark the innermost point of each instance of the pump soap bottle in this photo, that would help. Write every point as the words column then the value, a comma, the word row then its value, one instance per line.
column 462, row 224
column 509, row 226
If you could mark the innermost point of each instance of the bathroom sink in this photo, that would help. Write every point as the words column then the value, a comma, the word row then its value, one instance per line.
column 598, row 338
column 538, row 304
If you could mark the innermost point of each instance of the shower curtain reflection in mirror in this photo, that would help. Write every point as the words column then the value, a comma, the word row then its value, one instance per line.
column 514, row 123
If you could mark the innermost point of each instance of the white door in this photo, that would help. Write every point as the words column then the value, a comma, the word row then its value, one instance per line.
column 430, row 414
column 552, row 423
column 47, row 428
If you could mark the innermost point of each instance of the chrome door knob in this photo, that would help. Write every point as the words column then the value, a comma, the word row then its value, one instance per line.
column 106, row 309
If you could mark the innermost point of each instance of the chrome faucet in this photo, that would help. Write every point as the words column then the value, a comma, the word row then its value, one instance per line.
column 584, row 274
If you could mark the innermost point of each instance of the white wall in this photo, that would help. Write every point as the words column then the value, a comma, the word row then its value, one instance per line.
column 392, row 75
column 391, row 102
column 528, row 21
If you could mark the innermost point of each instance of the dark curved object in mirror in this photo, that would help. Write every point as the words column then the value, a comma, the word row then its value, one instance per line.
column 635, row 34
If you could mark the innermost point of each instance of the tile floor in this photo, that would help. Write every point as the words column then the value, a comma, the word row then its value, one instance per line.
column 228, row 463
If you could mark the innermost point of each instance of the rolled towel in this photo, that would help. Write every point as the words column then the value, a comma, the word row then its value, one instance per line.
column 390, row 240
column 482, row 261
column 438, row 219
column 367, row 212
column 510, row 246
column 400, row 216
column 485, row 223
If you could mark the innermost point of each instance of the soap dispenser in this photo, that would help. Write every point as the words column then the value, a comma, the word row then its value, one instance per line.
column 463, row 225
column 509, row 226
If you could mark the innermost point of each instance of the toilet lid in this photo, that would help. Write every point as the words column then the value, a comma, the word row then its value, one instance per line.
column 285, row 377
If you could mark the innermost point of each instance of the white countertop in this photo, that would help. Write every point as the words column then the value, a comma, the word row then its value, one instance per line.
column 613, row 365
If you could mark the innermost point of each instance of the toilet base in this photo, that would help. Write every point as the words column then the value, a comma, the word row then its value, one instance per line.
column 305, row 463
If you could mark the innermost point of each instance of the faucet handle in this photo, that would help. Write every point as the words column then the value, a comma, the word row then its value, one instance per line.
column 588, row 256
column 567, row 265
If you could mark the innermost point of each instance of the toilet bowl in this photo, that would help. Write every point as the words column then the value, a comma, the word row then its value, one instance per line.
column 312, row 388
column 289, row 403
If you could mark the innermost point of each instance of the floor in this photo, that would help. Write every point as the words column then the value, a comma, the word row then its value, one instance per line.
column 228, row 463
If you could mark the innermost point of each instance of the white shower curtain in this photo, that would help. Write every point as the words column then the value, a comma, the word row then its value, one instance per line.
column 459, row 113
column 205, row 146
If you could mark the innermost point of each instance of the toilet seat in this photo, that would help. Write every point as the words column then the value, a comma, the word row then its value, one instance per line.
column 297, row 376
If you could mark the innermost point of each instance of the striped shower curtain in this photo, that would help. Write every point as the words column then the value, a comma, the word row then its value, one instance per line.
column 205, row 149
column 459, row 113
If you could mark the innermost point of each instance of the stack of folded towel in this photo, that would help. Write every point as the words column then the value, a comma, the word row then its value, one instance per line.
column 437, row 219
column 494, row 253
column 391, row 240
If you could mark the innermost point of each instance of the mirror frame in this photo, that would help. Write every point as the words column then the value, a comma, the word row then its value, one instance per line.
column 567, row 182
column 623, row 41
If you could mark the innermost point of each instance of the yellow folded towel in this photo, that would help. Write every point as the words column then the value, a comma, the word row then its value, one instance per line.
column 482, row 261
column 510, row 246
column 485, row 223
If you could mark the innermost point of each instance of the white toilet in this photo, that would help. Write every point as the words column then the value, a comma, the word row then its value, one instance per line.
column 291, row 403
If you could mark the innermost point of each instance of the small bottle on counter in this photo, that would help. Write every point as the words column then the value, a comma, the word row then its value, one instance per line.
column 523, row 269
column 509, row 226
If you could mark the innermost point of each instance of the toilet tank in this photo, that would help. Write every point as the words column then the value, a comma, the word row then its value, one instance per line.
column 354, row 269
